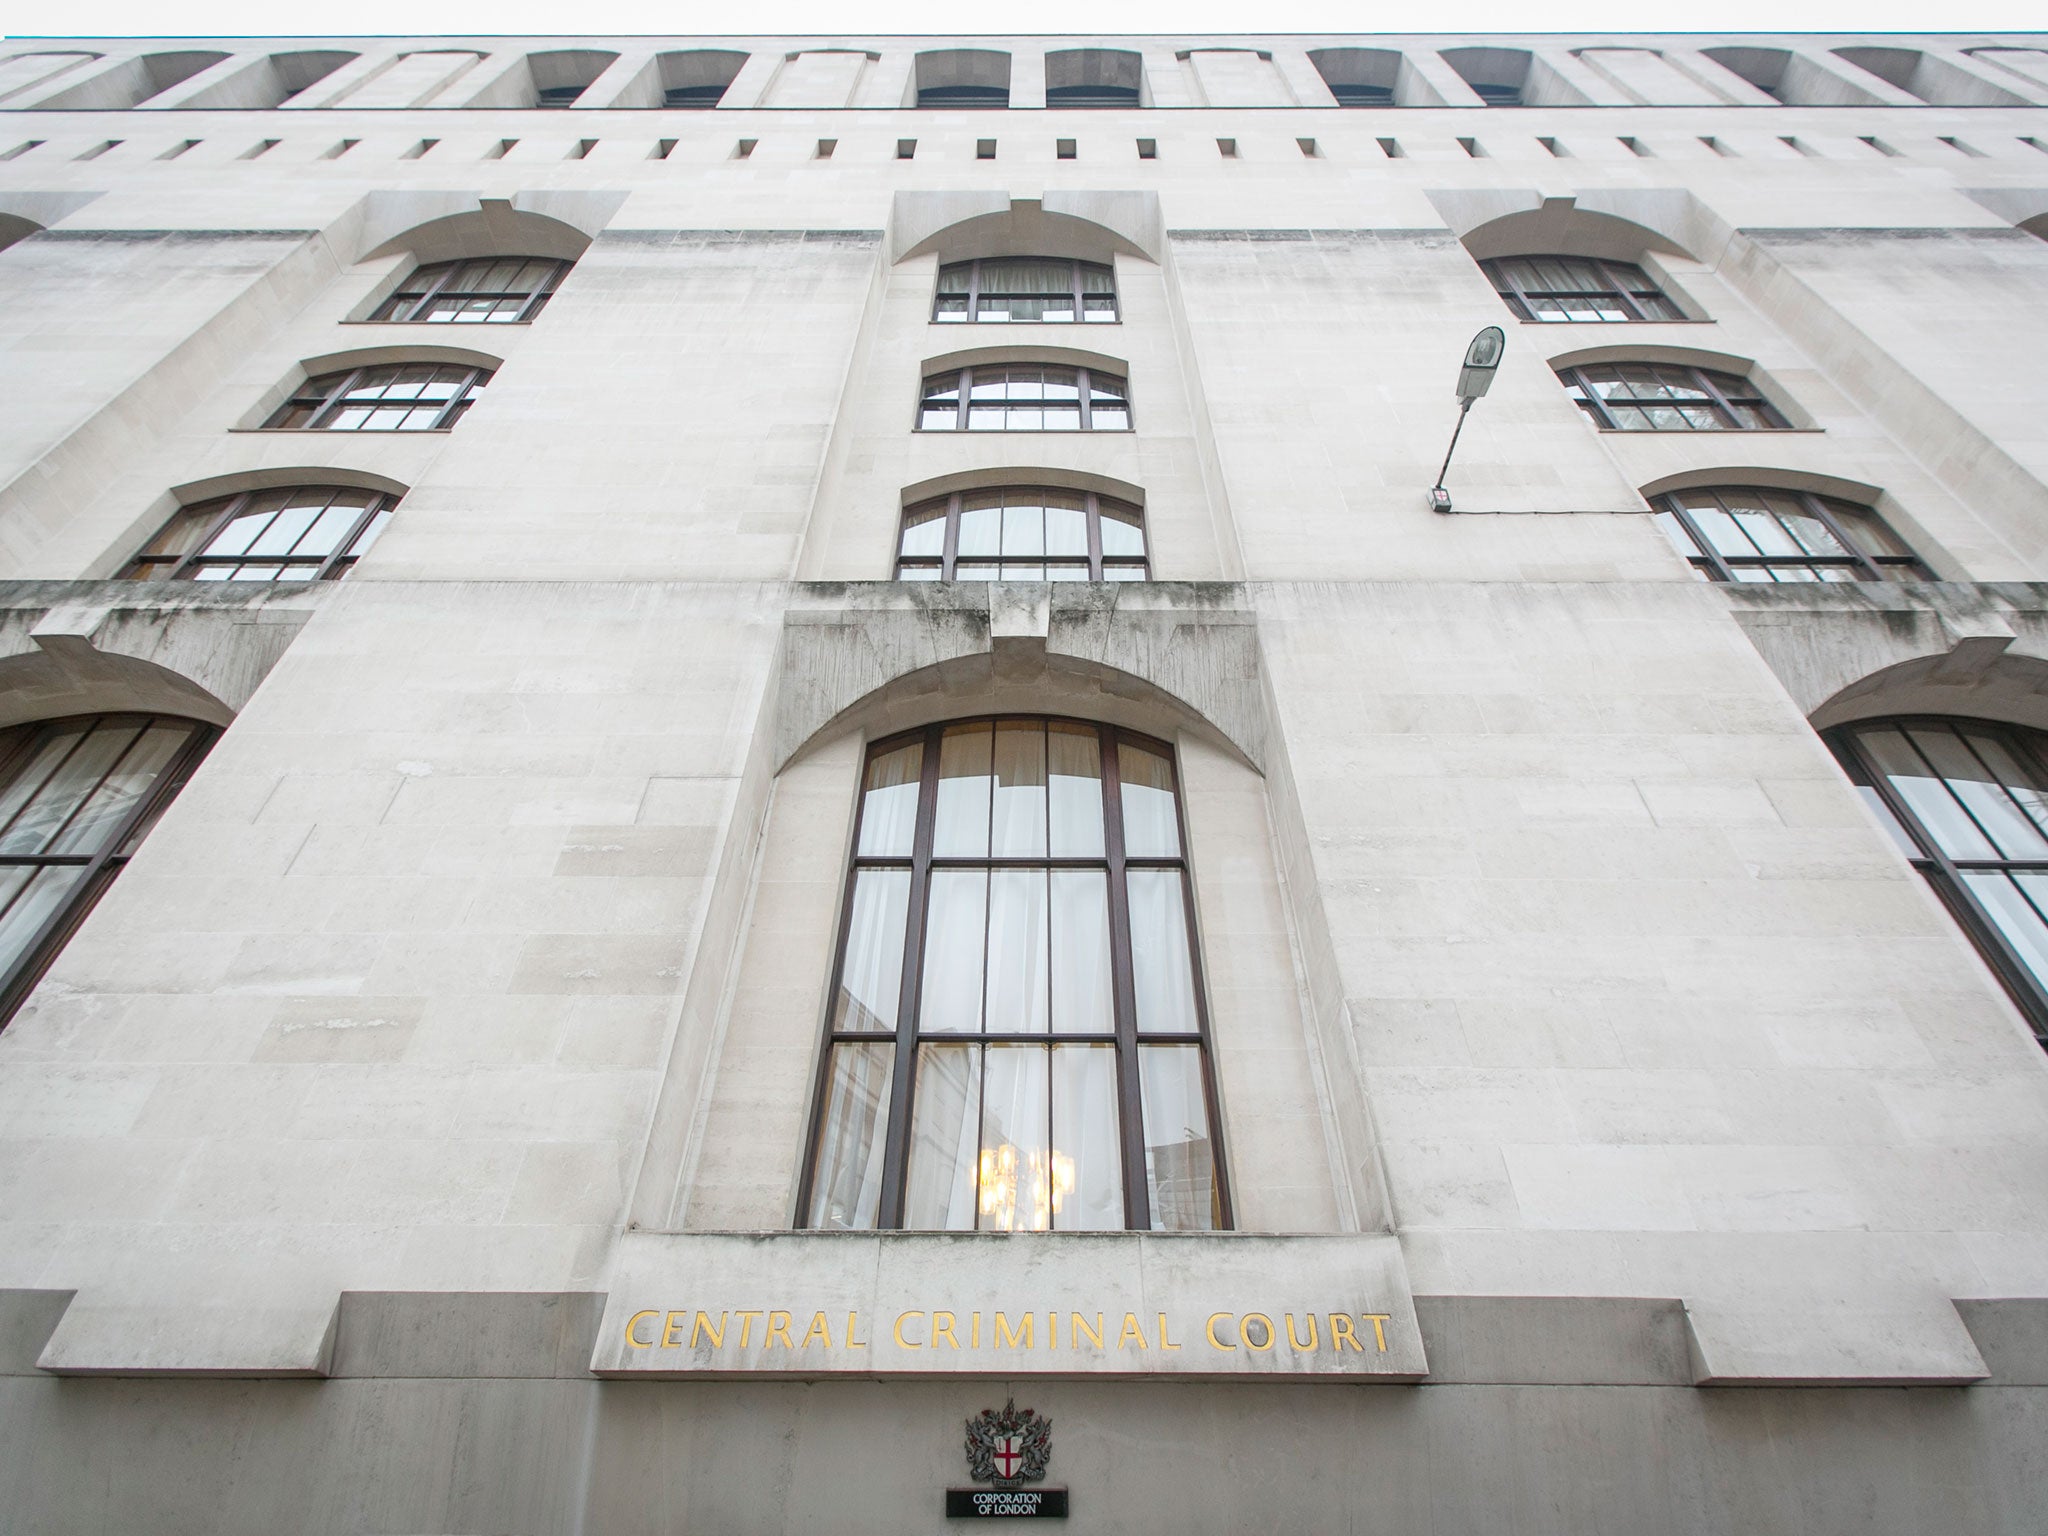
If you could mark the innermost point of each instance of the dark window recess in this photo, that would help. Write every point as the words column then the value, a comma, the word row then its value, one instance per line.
column 1355, row 95
column 303, row 533
column 1562, row 288
column 1022, row 533
column 1749, row 533
column 485, row 290
column 1967, row 802
column 1044, row 289
column 1024, row 397
column 1017, row 1037
column 391, row 397
column 77, row 796
column 1668, row 397
column 693, row 97
column 560, row 95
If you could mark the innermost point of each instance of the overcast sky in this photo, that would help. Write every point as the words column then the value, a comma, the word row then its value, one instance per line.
column 256, row 18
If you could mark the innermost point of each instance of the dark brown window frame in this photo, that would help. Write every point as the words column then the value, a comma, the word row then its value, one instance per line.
column 949, row 561
column 326, row 395
column 1721, row 567
column 1729, row 405
column 1516, row 295
column 1943, row 872
column 113, row 853
column 417, row 302
column 974, row 293
column 329, row 567
column 921, row 863
column 1084, row 378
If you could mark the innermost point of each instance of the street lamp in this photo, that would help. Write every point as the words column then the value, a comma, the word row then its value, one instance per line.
column 1475, row 378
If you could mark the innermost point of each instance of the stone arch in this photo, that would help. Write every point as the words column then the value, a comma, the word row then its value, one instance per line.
column 558, row 227
column 1085, row 226
column 2011, row 689
column 1556, row 226
column 98, row 677
column 1070, row 357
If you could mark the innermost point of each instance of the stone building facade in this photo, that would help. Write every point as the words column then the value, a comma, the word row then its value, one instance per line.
column 1517, row 1018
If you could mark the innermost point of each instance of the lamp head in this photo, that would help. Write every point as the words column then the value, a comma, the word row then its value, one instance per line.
column 1482, row 359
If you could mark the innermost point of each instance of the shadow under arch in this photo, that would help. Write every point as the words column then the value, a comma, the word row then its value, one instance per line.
column 1565, row 226
column 2009, row 689
column 1717, row 475
column 1082, row 226
column 48, row 684
column 13, row 227
column 449, row 226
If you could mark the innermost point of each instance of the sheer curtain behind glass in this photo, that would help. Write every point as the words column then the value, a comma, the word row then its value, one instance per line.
column 1017, row 1037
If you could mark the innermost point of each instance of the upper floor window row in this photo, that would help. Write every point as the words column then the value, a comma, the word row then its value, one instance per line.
column 294, row 533
column 483, row 290
column 1043, row 289
column 1755, row 534
column 1024, row 397
column 1581, row 288
column 1022, row 533
column 1668, row 397
column 392, row 397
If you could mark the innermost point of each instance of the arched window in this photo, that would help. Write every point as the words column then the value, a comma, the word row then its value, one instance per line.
column 1017, row 1039
column 1562, row 288
column 76, row 798
column 1753, row 533
column 1022, row 533
column 297, row 533
column 1967, row 800
column 1668, row 397
column 1024, row 397
column 1047, row 289
column 388, row 397
column 1093, row 77
column 483, row 290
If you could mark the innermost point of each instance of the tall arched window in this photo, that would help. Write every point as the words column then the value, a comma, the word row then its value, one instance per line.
column 297, row 533
column 1578, row 288
column 76, row 798
column 387, row 397
column 1022, row 533
column 483, row 290
column 1757, row 533
column 1041, row 289
column 1967, row 800
column 1017, row 1039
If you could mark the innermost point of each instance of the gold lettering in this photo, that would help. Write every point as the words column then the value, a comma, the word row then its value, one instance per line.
column 703, row 1327
column 1007, row 1339
column 1214, row 1342
column 1295, row 1344
column 819, row 1329
column 669, row 1325
column 1244, row 1331
column 1341, row 1334
column 851, row 1341
column 778, row 1328
column 976, row 1344
column 1164, row 1341
column 746, row 1325
column 942, row 1328
column 1052, row 1330
column 902, row 1341
column 1131, row 1330
column 631, row 1337
column 1078, row 1325
column 1379, row 1327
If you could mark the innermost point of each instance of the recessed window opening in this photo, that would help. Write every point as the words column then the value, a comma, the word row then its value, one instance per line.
column 1018, row 1033
column 2033, row 143
column 483, row 290
column 419, row 150
column 1717, row 146
column 501, row 149
column 974, row 78
column 1797, row 145
column 23, row 148
column 1227, row 148
column 1754, row 534
column 825, row 148
column 1023, row 533
column 696, row 80
column 1668, row 397
column 906, row 149
column 259, row 149
column 335, row 153
column 1148, row 149
column 1555, row 150
column 186, row 146
column 77, row 796
column 1472, row 148
column 301, row 533
column 559, row 95
column 1064, row 149
column 101, row 148
column 1308, row 149
column 581, row 149
column 1392, row 149
column 663, row 148
column 744, row 148
column 1636, row 147
column 1963, row 148
column 1047, row 290
column 984, row 149
column 1082, row 78
column 1024, row 397
column 1964, row 800
column 389, row 397
column 1881, row 147
column 1577, row 288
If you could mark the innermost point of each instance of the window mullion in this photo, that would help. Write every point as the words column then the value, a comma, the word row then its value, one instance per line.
column 1082, row 389
column 960, row 406
column 1619, row 289
column 433, row 292
column 1705, row 381
column 949, row 556
column 213, row 529
column 896, row 1150
column 345, row 544
column 1093, row 517
column 974, row 292
column 1817, row 509
column 1720, row 567
column 1130, row 1101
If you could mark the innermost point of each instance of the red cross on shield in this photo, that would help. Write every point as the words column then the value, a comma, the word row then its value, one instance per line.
column 1008, row 1455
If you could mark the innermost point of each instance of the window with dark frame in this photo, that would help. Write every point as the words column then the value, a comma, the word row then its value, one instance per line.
column 1018, row 1031
column 77, row 796
column 1757, row 534
column 1967, row 802
column 1024, row 397
column 1578, row 288
column 1668, row 397
column 297, row 533
column 1022, row 533
column 483, row 290
column 387, row 397
column 1037, row 289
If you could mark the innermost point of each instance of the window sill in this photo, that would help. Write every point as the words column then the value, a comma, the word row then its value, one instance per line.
column 444, row 325
column 1032, row 431
column 1005, row 325
column 1556, row 324
column 334, row 432
column 1710, row 431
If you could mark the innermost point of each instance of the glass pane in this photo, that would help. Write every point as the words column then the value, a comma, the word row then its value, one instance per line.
column 1123, row 533
column 1018, row 953
column 1023, row 529
column 1015, row 1166
column 43, row 893
column 1087, row 1158
column 1019, row 810
column 1081, row 997
column 1076, row 790
column 888, row 812
column 961, row 830
column 1151, row 829
column 981, row 528
column 1180, row 1163
column 131, row 779
column 1066, row 530
column 945, row 1125
column 1875, row 804
column 1972, row 783
column 45, row 815
column 2020, row 782
column 26, row 779
column 1925, row 795
column 846, row 1179
column 2015, row 917
column 956, row 928
column 1162, row 971
column 924, row 532
column 871, row 980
